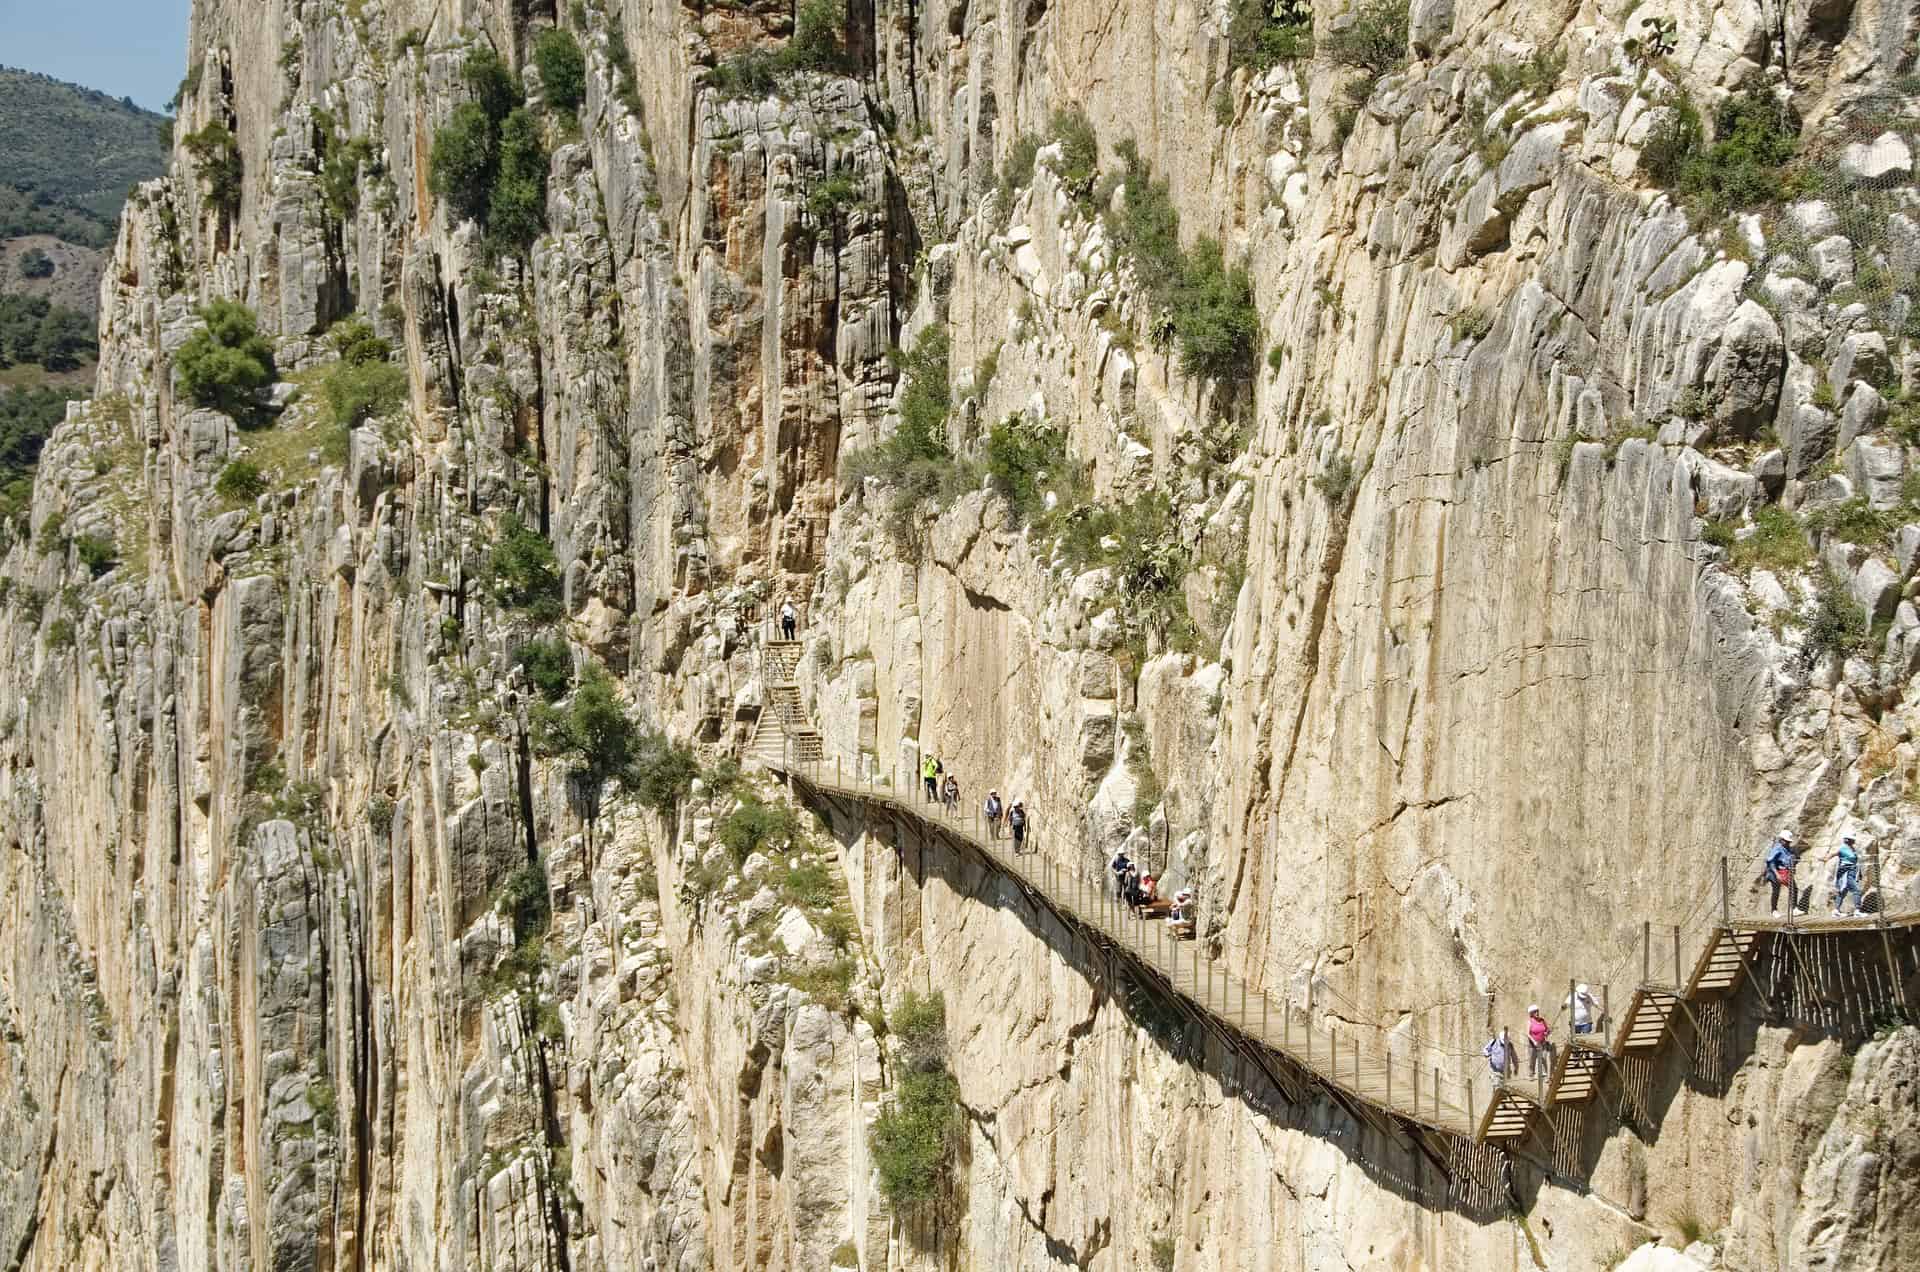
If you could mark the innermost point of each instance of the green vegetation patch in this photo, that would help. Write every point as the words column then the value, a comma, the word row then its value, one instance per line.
column 563, row 69
column 1746, row 164
column 488, row 160
column 1263, row 33
column 524, row 572
column 817, row 46
column 1206, row 304
column 226, row 362
column 914, row 1139
column 27, row 419
column 756, row 824
column 71, row 153
column 35, row 331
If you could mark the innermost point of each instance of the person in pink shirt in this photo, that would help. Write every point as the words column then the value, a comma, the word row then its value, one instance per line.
column 1539, row 1050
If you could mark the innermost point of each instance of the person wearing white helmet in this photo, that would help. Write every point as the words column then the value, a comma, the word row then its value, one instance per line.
column 1780, row 863
column 1581, row 1005
column 1539, row 1050
column 1785, row 837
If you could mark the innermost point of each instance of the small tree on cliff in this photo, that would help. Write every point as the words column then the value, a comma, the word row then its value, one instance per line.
column 226, row 362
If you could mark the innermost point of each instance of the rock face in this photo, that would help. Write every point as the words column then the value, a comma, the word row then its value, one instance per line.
column 1548, row 539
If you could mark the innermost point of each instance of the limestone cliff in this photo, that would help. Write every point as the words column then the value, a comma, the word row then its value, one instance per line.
column 1527, row 529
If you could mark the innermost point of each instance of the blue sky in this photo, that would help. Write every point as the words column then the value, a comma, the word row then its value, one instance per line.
column 126, row 48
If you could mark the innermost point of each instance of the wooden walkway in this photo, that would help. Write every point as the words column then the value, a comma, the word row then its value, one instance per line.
column 1391, row 1092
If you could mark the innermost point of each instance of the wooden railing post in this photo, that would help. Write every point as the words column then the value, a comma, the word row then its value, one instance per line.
column 1677, row 981
column 1646, row 950
column 1726, row 898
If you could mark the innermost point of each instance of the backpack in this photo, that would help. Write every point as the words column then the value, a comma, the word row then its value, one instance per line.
column 1018, row 817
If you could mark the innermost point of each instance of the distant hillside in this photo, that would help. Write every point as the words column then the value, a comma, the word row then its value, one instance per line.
column 68, row 155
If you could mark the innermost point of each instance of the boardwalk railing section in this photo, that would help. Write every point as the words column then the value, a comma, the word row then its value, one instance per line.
column 1394, row 1092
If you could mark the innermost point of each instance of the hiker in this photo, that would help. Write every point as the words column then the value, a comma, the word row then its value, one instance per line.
column 1132, row 887
column 927, row 763
column 1783, row 839
column 1582, row 1004
column 1180, row 918
column 1539, row 1050
column 1499, row 1054
column 1120, row 866
column 950, row 794
column 1780, row 874
column 1846, row 876
column 1149, row 891
column 993, row 808
column 1017, row 819
column 788, row 619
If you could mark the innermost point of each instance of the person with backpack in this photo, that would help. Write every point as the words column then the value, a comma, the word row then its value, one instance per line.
column 1785, row 837
column 1499, row 1054
column 1120, row 865
column 1780, row 874
column 928, row 777
column 950, row 794
column 993, row 808
column 789, row 619
column 1017, row 821
column 1846, row 876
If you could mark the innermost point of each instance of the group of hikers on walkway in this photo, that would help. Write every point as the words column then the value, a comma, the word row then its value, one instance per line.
column 1777, row 872
column 1503, row 1059
column 941, row 787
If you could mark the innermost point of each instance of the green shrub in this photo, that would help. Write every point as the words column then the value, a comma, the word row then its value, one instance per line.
column 1021, row 455
column 355, row 340
column 226, row 361
column 920, row 1023
column 563, row 69
column 523, row 900
column 924, row 404
column 216, row 158
column 95, row 552
column 1375, row 41
column 1535, row 76
column 1262, row 33
column 1755, row 139
column 816, row 46
column 341, row 159
column 1162, row 1251
column 913, row 1139
column 661, row 773
column 240, row 482
column 517, row 207
column 809, row 884
column 60, row 633
column 1337, row 480
column 1208, row 306
column 1855, row 521
column 1079, row 153
column 756, row 824
column 1016, row 171
column 1778, row 543
column 495, row 88
column 356, row 393
column 35, row 263
column 593, row 730
column 1838, row 625
column 548, row 665
column 524, row 571
column 462, row 164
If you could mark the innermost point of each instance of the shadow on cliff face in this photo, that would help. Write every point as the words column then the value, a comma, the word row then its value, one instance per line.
column 1421, row 1168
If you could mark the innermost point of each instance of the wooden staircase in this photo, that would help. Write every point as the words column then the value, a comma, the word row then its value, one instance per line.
column 783, row 733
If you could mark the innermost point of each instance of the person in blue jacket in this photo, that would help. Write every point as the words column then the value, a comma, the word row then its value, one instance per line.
column 1780, row 875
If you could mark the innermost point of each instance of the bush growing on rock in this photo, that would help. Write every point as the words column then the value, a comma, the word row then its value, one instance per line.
column 593, row 731
column 488, row 161
column 35, row 263
column 1261, row 34
column 240, row 482
column 815, row 46
column 563, row 69
column 1839, row 625
column 1021, row 457
column 216, row 158
column 461, row 167
column 1373, row 41
column 363, row 385
column 914, row 1138
column 524, row 571
column 517, row 207
column 1755, row 138
column 226, row 362
column 661, row 774
column 548, row 665
column 95, row 552
column 756, row 824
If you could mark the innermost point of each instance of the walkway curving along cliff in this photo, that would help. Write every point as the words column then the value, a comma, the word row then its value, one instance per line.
column 1443, row 1111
